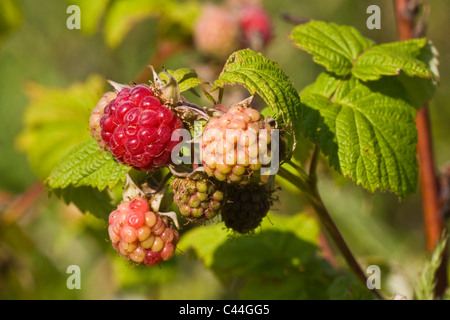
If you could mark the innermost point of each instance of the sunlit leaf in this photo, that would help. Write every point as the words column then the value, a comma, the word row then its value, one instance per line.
column 55, row 120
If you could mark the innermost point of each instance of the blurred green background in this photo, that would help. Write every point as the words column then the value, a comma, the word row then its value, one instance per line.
column 41, row 236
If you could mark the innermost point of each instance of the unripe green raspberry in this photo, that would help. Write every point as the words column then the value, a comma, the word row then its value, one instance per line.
column 198, row 200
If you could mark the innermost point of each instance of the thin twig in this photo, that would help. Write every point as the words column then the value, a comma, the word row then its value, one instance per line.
column 22, row 203
column 199, row 111
column 333, row 231
column 313, row 164
column 295, row 20
column 160, row 185
column 328, row 222
column 310, row 191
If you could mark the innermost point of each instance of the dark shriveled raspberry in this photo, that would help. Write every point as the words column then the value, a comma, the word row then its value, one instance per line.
column 246, row 206
column 140, row 235
column 137, row 128
column 198, row 200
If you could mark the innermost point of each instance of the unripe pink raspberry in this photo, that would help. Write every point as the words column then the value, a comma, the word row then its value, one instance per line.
column 140, row 235
column 97, row 113
column 233, row 144
column 216, row 32
column 136, row 127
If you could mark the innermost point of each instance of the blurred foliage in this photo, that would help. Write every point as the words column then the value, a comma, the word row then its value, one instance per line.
column 55, row 121
column 10, row 18
column 280, row 261
column 41, row 236
column 119, row 17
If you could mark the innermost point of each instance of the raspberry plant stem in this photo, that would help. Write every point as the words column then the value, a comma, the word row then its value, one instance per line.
column 159, row 186
column 307, row 184
column 406, row 12
column 17, row 207
column 194, row 108
column 313, row 164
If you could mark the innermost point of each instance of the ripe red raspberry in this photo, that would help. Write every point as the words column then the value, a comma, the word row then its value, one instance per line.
column 256, row 26
column 97, row 113
column 233, row 144
column 137, row 128
column 198, row 200
column 216, row 32
column 141, row 235
column 246, row 206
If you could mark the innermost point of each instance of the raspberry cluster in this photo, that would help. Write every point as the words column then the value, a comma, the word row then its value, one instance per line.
column 139, row 127
column 234, row 143
column 136, row 127
column 197, row 200
column 141, row 235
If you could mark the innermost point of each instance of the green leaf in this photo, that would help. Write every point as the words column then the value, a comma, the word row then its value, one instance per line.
column 421, row 90
column 207, row 239
column 87, row 200
column 186, row 78
column 87, row 165
column 326, row 85
column 178, row 19
column 366, row 130
column 141, row 276
column 332, row 46
column 204, row 241
column 391, row 59
column 279, row 261
column 342, row 50
column 253, row 255
column 10, row 17
column 123, row 15
column 264, row 77
column 175, row 18
column 427, row 280
column 348, row 287
column 55, row 120
column 271, row 273
column 189, row 83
